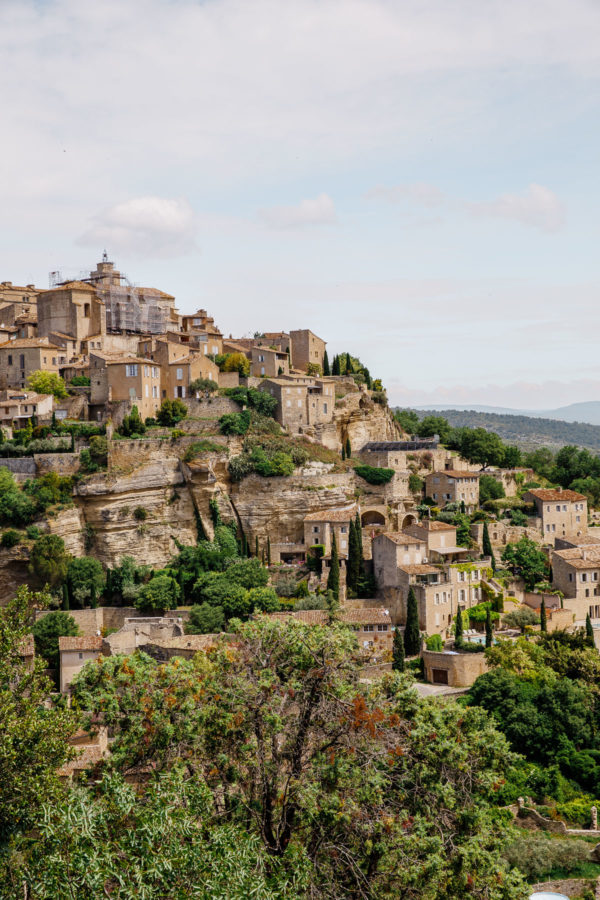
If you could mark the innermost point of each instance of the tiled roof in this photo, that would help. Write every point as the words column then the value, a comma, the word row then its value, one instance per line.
column 332, row 515
column 548, row 494
column 579, row 558
column 419, row 569
column 401, row 537
column 67, row 337
column 370, row 616
column 23, row 343
column 81, row 642
column 456, row 473
column 185, row 641
column 430, row 525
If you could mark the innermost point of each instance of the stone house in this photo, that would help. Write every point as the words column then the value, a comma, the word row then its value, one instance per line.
column 453, row 486
column 91, row 749
column 26, row 325
column 73, row 309
column 180, row 367
column 306, row 348
column 562, row 512
column 401, row 561
column 202, row 328
column 16, row 300
column 74, row 653
column 125, row 378
column 373, row 627
column 301, row 402
column 8, row 333
column 130, row 308
column 17, row 408
column 440, row 540
column 18, row 359
column 267, row 362
column 576, row 572
column 319, row 528
column 453, row 668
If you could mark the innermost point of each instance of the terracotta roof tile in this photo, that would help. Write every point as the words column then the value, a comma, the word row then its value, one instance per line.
column 23, row 343
column 400, row 537
column 455, row 473
column 332, row 515
column 80, row 642
column 369, row 616
column 548, row 494
column 419, row 569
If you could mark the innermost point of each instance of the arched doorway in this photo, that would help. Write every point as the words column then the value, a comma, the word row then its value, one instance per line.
column 408, row 520
column 372, row 517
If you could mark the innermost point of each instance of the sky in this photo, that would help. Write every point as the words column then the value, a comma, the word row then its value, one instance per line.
column 414, row 180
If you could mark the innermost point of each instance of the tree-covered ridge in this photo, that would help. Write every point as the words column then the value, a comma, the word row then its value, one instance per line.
column 527, row 432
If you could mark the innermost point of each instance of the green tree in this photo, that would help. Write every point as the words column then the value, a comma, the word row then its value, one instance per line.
column 161, row 592
column 412, row 632
column 490, row 489
column 489, row 628
column 203, row 386
column 171, row 412
column 326, row 369
column 237, row 362
column 49, row 560
column 47, row 383
column 333, row 578
column 46, row 632
column 353, row 562
column 65, row 597
column 526, row 560
column 205, row 619
column 543, row 617
column 335, row 366
column 432, row 425
column 398, row 655
column 487, row 548
column 458, row 628
column 35, row 739
column 268, row 551
column 522, row 617
column 483, row 447
column 84, row 575
column 348, row 448
column 408, row 420
column 589, row 631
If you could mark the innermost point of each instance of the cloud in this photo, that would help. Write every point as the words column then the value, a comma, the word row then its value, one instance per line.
column 419, row 192
column 144, row 227
column 538, row 206
column 311, row 211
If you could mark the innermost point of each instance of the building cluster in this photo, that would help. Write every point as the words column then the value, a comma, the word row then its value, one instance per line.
column 137, row 350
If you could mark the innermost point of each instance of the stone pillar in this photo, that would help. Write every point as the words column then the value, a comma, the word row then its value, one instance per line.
column 594, row 814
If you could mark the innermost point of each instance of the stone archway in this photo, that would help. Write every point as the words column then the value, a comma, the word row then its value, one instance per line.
column 372, row 517
column 408, row 520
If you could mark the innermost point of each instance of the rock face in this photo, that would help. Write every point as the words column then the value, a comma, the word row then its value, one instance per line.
column 359, row 418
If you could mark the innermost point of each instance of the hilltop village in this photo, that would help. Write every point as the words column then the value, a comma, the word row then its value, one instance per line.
column 133, row 431
column 228, row 566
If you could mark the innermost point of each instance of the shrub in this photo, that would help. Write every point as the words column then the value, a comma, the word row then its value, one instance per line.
column 434, row 642
column 49, row 559
column 198, row 447
column 240, row 466
column 536, row 853
column 203, row 385
column 46, row 632
column 85, row 578
column 235, row 423
column 415, row 484
column 10, row 538
column 161, row 592
column 171, row 412
column 47, row 383
column 132, row 424
column 33, row 532
column 140, row 514
column 80, row 381
column 205, row 619
column 490, row 489
column 177, row 433
column 374, row 475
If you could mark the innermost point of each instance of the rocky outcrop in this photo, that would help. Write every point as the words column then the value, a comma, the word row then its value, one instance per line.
column 69, row 524
column 360, row 418
column 13, row 570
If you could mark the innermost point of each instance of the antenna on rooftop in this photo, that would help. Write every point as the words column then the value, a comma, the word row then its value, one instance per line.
column 105, row 256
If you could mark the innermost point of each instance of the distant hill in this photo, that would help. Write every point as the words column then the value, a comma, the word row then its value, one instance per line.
column 587, row 412
column 527, row 432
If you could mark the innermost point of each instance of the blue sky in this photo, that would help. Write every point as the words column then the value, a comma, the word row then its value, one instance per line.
column 416, row 181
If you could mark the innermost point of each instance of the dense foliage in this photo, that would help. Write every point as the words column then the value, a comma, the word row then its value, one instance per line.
column 374, row 475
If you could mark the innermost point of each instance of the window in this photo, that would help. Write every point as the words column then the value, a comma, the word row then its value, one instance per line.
column 368, row 628
column 587, row 592
column 146, row 371
column 382, row 628
column 10, row 360
column 23, row 363
column 299, row 402
column 131, row 370
column 154, row 372
column 86, row 310
column 558, row 508
column 288, row 402
column 179, row 374
column 324, row 407
column 316, row 529
column 437, row 598
column 343, row 529
column 570, row 576
column 584, row 576
column 155, row 391
column 564, row 507
column 578, row 518
column 147, row 391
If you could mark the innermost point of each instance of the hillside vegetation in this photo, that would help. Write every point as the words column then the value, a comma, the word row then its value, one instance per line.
column 526, row 432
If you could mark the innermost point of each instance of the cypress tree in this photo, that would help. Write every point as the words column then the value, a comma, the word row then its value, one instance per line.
column 458, row 634
column 326, row 369
column 487, row 545
column 53, row 421
column 398, row 655
column 333, row 579
column 353, row 570
column 589, row 631
column 263, row 556
column 93, row 597
column 544, row 618
column 489, row 630
column 256, row 546
column 335, row 367
column 412, row 633
column 72, row 442
column 200, row 532
column 358, row 527
column 348, row 448
column 348, row 365
column 268, row 551
column 343, row 452
column 65, row 593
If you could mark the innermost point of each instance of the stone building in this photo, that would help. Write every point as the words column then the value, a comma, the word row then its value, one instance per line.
column 401, row 561
column 453, row 668
column 202, row 331
column 179, row 367
column 73, row 309
column 16, row 300
column 74, row 653
column 18, row 359
column 306, row 348
column 576, row 572
column 453, row 486
column 319, row 528
column 440, row 541
column 373, row 627
column 18, row 407
column 130, row 379
column 563, row 513
column 301, row 402
column 269, row 363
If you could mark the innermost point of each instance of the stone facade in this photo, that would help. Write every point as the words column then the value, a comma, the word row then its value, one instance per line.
column 18, row 359
column 453, row 668
column 72, row 309
column 306, row 348
column 453, row 486
column 563, row 513
column 576, row 572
